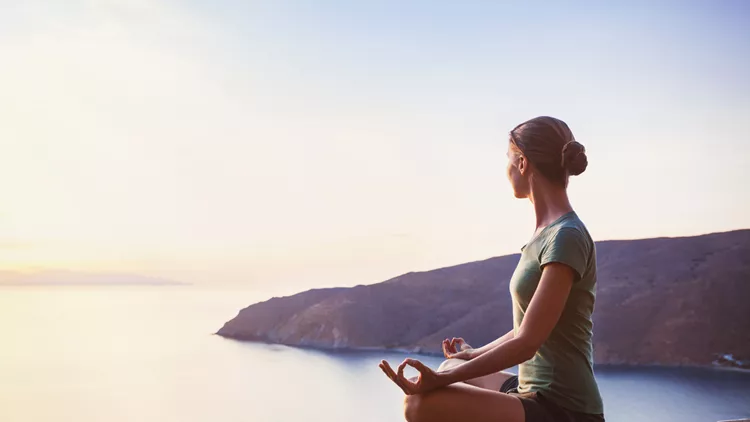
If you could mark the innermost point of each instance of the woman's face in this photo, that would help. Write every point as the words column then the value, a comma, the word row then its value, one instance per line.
column 518, row 172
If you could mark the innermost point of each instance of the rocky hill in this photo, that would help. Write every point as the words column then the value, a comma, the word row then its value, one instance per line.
column 659, row 301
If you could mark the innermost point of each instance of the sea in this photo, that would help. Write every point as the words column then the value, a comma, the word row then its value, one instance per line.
column 148, row 354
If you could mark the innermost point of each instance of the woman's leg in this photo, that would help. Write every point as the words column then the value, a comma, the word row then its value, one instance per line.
column 463, row 402
column 490, row 382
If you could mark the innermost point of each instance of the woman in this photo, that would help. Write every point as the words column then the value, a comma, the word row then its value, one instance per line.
column 553, row 292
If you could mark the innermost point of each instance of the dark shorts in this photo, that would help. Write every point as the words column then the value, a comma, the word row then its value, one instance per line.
column 540, row 409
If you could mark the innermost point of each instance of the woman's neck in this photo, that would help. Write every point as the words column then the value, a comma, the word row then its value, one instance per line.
column 550, row 202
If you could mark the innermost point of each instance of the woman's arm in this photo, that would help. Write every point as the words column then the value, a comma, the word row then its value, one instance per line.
column 474, row 353
column 542, row 315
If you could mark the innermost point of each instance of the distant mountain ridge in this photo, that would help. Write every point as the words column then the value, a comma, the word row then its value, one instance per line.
column 681, row 301
column 76, row 278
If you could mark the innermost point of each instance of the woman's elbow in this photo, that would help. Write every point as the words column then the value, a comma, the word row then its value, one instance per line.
column 529, row 353
column 528, row 348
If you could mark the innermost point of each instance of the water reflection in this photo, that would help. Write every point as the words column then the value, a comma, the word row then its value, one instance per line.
column 148, row 355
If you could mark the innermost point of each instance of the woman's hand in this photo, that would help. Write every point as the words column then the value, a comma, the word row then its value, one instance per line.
column 427, row 380
column 457, row 348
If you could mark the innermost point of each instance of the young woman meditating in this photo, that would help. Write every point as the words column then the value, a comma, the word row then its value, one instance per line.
column 553, row 290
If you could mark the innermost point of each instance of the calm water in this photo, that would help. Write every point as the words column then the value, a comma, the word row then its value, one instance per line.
column 147, row 354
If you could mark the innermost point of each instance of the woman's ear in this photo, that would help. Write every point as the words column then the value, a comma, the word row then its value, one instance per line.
column 523, row 164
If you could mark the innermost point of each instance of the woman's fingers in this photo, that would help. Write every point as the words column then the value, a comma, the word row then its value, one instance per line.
column 382, row 366
column 408, row 382
column 446, row 349
column 389, row 372
column 454, row 346
column 459, row 343
column 456, row 343
column 400, row 371
column 393, row 376
column 419, row 366
column 425, row 381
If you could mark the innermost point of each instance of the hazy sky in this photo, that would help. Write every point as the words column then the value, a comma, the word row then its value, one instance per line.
column 292, row 144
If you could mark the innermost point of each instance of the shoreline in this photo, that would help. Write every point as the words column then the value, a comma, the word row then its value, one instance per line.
column 400, row 350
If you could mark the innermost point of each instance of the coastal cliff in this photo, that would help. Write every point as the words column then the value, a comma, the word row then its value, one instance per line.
column 674, row 301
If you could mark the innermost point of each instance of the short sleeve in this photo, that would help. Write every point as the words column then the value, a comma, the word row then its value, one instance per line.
column 568, row 246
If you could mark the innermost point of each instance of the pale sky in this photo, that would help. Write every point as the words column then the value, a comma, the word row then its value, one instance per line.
column 286, row 145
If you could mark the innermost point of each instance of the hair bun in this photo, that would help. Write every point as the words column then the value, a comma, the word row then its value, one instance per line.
column 574, row 158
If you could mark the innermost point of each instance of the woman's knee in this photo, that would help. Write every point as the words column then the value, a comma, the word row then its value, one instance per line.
column 450, row 363
column 412, row 407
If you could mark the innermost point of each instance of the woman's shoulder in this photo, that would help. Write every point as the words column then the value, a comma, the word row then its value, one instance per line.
column 570, row 228
column 573, row 222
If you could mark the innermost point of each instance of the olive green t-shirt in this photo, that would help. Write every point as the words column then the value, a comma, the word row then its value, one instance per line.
column 562, row 369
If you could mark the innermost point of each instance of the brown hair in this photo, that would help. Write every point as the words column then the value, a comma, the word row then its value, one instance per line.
column 549, row 145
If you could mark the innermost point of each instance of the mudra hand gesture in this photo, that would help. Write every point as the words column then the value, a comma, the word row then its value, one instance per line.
column 457, row 348
column 427, row 380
